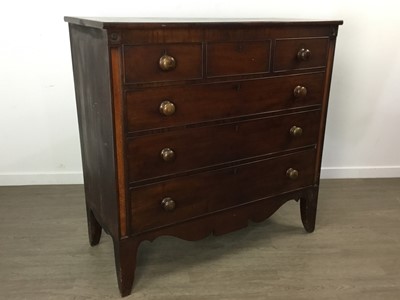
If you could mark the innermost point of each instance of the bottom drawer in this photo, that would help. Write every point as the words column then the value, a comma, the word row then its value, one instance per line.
column 175, row 200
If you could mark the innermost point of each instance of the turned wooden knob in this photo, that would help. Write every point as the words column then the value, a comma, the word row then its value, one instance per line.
column 303, row 54
column 300, row 91
column 292, row 173
column 296, row 131
column 167, row 154
column 167, row 108
column 168, row 204
column 167, row 63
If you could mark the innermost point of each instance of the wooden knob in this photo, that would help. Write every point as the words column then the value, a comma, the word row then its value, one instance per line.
column 303, row 54
column 168, row 204
column 292, row 173
column 167, row 108
column 167, row 63
column 296, row 131
column 167, row 154
column 300, row 91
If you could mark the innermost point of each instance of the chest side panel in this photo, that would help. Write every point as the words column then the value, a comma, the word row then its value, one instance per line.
column 95, row 115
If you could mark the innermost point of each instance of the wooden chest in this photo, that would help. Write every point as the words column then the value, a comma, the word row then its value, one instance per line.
column 195, row 127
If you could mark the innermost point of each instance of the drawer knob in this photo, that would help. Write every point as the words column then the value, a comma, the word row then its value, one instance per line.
column 167, row 154
column 167, row 63
column 300, row 91
column 168, row 204
column 296, row 131
column 292, row 173
column 303, row 54
column 167, row 108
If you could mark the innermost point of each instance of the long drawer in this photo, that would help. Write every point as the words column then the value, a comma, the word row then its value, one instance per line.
column 181, row 150
column 206, row 102
column 179, row 199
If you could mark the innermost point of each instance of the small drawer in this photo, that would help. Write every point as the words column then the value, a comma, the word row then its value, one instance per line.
column 297, row 54
column 238, row 58
column 170, row 106
column 177, row 151
column 166, row 62
column 172, row 201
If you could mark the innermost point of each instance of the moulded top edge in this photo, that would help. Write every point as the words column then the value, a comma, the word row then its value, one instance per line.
column 127, row 22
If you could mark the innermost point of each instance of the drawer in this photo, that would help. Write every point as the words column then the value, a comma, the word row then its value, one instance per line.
column 238, row 58
column 297, row 54
column 187, row 149
column 207, row 102
column 166, row 62
column 179, row 199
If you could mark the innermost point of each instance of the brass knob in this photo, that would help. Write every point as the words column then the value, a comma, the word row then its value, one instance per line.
column 300, row 91
column 296, row 131
column 292, row 173
column 167, row 108
column 168, row 204
column 167, row 63
column 303, row 54
column 167, row 154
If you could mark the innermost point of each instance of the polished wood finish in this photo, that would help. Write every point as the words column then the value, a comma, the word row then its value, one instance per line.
column 115, row 55
column 142, row 62
column 90, row 55
column 218, row 190
column 193, row 128
column 210, row 102
column 287, row 54
column 238, row 58
column 230, row 142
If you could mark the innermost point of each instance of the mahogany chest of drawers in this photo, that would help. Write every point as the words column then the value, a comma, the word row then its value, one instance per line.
column 192, row 128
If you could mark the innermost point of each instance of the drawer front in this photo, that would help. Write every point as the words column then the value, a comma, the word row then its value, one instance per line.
column 238, row 58
column 207, row 102
column 146, row 63
column 204, row 193
column 297, row 54
column 205, row 146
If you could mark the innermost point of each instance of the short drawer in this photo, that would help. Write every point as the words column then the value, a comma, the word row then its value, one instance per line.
column 187, row 149
column 179, row 199
column 297, row 54
column 166, row 62
column 207, row 102
column 238, row 58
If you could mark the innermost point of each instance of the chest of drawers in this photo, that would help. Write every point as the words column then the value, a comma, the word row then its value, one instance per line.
column 193, row 128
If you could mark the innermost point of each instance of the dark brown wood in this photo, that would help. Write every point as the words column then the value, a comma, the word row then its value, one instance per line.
column 308, row 209
column 286, row 53
column 217, row 32
column 325, row 102
column 238, row 58
column 125, row 252
column 208, row 102
column 212, row 191
column 94, row 228
column 142, row 62
column 119, row 131
column 229, row 142
column 93, row 98
column 233, row 143
column 224, row 221
column 134, row 23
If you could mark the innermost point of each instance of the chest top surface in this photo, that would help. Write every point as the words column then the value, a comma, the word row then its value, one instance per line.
column 128, row 22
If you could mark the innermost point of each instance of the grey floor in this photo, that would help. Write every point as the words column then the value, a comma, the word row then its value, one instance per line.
column 353, row 254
